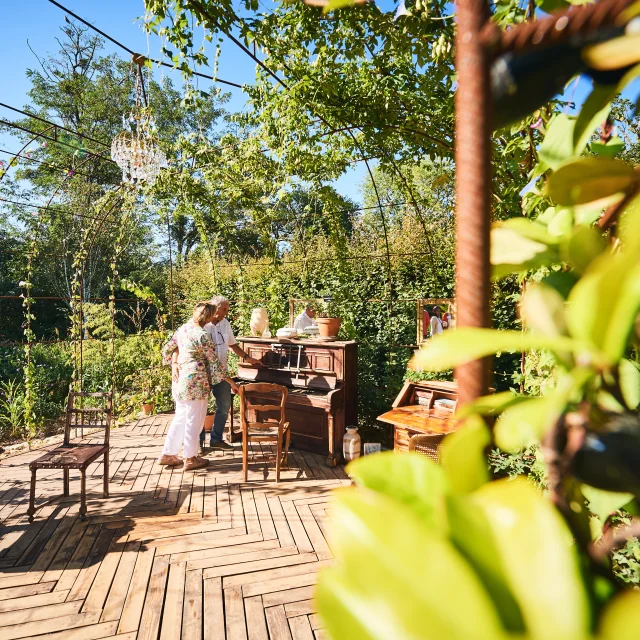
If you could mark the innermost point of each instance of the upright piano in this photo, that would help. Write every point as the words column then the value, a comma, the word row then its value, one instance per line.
column 322, row 381
column 422, row 408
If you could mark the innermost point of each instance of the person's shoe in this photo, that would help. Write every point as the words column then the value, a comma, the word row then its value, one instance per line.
column 170, row 461
column 191, row 464
column 221, row 444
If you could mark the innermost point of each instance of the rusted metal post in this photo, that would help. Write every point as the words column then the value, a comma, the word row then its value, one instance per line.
column 473, row 175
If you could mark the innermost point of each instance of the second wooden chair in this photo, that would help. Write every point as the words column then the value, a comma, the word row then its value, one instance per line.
column 264, row 422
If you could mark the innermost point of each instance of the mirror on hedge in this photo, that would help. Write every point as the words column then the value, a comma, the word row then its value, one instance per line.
column 433, row 316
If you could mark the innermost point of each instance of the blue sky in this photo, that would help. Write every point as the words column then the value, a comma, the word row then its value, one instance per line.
column 37, row 23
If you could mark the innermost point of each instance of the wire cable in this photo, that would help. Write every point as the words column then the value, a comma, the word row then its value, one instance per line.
column 133, row 53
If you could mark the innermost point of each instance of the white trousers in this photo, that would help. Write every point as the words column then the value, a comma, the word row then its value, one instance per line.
column 185, row 428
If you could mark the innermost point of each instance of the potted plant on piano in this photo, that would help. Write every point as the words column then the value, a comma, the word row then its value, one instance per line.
column 328, row 320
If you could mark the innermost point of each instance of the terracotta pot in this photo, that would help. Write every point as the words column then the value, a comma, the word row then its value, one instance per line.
column 208, row 422
column 328, row 327
column 147, row 408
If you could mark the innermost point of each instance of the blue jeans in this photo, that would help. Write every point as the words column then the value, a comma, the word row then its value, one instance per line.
column 222, row 393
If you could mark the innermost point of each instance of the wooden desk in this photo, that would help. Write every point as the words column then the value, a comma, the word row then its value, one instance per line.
column 413, row 411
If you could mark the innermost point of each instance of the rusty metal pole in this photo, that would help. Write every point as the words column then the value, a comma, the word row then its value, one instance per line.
column 473, row 175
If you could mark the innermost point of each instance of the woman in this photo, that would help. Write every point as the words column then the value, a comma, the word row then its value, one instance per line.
column 199, row 370
column 436, row 322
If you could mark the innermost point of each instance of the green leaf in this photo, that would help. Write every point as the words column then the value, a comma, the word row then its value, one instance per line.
column 621, row 618
column 610, row 149
column 453, row 348
column 594, row 112
column 471, row 533
column 603, row 503
column 489, row 405
column 583, row 247
column 615, row 53
column 543, row 310
column 462, row 455
column 397, row 579
column 562, row 223
column 561, row 281
column 590, row 179
column 629, row 373
column 511, row 251
column 557, row 146
column 414, row 480
column 552, row 5
column 541, row 563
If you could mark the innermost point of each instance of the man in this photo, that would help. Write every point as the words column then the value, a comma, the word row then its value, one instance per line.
column 222, row 335
column 305, row 319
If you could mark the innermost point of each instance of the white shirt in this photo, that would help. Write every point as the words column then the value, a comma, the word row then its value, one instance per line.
column 223, row 338
column 436, row 325
column 303, row 321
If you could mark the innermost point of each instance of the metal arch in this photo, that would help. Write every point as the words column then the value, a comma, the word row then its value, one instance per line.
column 17, row 155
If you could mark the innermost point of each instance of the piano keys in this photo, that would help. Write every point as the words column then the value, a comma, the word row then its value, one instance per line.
column 422, row 408
column 322, row 382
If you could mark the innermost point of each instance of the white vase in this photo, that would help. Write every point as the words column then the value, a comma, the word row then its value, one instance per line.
column 351, row 444
column 259, row 321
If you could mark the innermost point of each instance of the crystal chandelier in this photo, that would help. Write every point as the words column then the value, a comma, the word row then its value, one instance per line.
column 135, row 149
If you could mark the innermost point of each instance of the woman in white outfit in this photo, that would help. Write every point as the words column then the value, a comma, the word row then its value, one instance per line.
column 199, row 370
column 436, row 323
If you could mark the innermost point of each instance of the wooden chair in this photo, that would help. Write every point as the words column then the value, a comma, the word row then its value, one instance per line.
column 259, row 426
column 427, row 445
column 77, row 455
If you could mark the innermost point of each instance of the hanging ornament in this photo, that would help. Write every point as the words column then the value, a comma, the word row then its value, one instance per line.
column 135, row 150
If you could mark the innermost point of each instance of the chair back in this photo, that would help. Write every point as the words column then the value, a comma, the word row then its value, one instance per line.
column 427, row 445
column 84, row 417
column 256, row 416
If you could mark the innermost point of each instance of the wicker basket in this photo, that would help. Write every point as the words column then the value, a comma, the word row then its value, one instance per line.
column 427, row 445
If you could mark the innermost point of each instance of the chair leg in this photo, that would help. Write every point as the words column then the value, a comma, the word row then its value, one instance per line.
column 287, row 442
column 278, row 458
column 245, row 457
column 105, row 480
column 83, row 494
column 65, row 482
column 32, row 496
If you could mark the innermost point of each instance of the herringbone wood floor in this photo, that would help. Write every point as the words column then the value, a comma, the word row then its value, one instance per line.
column 170, row 554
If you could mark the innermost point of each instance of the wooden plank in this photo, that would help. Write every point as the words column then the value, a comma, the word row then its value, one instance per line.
column 197, row 494
column 300, row 607
column 288, row 597
column 92, row 565
column 27, row 590
column 56, row 541
column 241, row 544
column 22, row 578
column 210, row 497
column 273, row 575
column 22, row 616
column 31, row 532
column 223, row 503
column 279, row 584
column 152, row 611
column 64, row 552
column 256, row 622
column 71, row 571
column 171, row 628
column 280, row 522
column 192, row 612
column 313, row 531
column 235, row 505
column 264, row 516
column 316, row 622
column 277, row 623
column 30, row 629
column 234, row 614
column 134, row 601
column 297, row 529
column 102, row 584
column 214, row 625
column 269, row 550
column 321, row 634
column 258, row 566
column 184, row 495
column 250, row 511
column 122, row 579
column 26, row 602
column 194, row 542
column 93, row 632
column 301, row 628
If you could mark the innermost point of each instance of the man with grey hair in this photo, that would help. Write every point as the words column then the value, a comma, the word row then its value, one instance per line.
column 222, row 335
column 305, row 319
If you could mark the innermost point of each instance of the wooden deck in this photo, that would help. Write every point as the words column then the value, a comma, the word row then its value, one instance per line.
column 170, row 554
